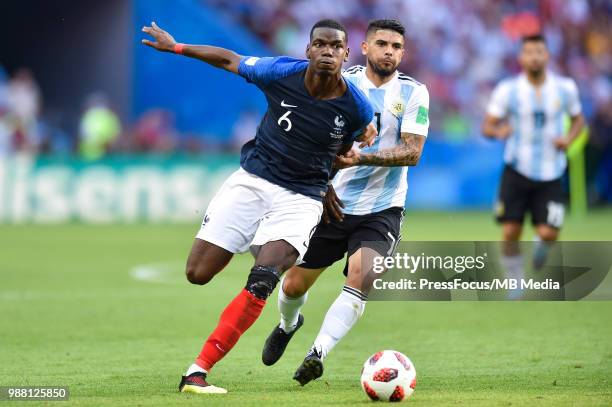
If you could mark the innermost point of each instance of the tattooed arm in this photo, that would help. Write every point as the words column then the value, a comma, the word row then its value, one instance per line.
column 407, row 153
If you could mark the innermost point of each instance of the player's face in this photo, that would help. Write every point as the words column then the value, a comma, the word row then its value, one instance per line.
column 384, row 50
column 533, row 57
column 327, row 50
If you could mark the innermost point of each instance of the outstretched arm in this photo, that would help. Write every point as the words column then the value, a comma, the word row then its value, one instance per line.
column 215, row 56
column 407, row 153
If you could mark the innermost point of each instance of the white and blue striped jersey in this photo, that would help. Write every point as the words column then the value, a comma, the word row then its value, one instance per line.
column 536, row 120
column 400, row 106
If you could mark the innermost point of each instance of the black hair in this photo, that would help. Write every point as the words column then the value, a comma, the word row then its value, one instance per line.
column 328, row 23
column 533, row 38
column 385, row 24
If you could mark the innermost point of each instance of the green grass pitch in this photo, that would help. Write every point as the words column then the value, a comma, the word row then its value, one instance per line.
column 72, row 314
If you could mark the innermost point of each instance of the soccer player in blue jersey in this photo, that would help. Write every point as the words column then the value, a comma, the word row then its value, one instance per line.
column 273, row 202
column 372, row 188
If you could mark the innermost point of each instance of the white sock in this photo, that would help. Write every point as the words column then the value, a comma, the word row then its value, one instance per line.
column 513, row 265
column 339, row 320
column 289, row 309
column 195, row 368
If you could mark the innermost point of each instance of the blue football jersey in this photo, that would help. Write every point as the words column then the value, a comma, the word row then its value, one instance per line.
column 299, row 136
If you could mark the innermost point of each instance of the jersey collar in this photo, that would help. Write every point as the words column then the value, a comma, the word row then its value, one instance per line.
column 384, row 85
column 547, row 81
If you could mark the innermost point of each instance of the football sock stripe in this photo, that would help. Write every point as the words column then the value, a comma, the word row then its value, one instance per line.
column 355, row 292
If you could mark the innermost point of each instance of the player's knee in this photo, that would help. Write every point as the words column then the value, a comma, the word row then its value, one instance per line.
column 262, row 281
column 197, row 275
column 293, row 286
column 354, row 277
column 548, row 234
column 512, row 233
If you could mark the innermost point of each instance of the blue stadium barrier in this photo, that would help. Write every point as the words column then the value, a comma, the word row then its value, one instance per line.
column 206, row 100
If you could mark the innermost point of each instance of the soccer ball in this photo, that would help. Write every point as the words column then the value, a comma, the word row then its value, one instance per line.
column 388, row 375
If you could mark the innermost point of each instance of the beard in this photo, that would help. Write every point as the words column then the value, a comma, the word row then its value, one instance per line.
column 380, row 71
column 536, row 72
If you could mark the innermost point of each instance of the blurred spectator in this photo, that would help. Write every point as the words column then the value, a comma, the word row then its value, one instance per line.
column 154, row 131
column 245, row 128
column 99, row 127
column 54, row 139
column 23, row 102
column 5, row 128
column 5, row 133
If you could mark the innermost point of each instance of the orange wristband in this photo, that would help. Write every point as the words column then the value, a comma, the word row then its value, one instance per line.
column 178, row 48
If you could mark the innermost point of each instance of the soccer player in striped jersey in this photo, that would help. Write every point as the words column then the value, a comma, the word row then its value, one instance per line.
column 528, row 111
column 372, row 190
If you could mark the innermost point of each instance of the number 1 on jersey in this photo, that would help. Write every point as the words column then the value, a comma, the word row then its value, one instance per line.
column 377, row 114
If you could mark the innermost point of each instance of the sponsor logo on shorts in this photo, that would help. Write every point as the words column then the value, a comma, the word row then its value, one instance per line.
column 310, row 236
column 555, row 214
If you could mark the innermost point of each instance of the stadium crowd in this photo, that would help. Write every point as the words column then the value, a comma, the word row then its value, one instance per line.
column 460, row 51
column 27, row 125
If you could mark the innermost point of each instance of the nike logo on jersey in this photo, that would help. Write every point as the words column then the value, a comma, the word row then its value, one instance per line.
column 283, row 104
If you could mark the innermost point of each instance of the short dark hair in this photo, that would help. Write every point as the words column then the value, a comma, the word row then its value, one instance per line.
column 328, row 23
column 385, row 24
column 533, row 38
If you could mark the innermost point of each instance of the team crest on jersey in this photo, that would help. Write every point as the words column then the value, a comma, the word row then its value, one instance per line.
column 339, row 122
column 338, row 128
column 397, row 108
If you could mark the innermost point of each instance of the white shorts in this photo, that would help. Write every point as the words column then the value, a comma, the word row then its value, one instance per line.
column 251, row 211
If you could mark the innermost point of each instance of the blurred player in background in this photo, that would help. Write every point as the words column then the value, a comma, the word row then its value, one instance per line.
column 372, row 190
column 273, row 202
column 528, row 111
